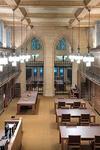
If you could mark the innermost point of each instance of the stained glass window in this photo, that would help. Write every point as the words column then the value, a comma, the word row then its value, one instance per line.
column 36, row 44
column 62, row 44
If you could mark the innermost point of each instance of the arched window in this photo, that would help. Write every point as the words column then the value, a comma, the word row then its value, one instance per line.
column 62, row 44
column 36, row 44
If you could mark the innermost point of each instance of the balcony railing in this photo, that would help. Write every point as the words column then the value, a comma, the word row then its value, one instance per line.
column 8, row 74
column 92, row 73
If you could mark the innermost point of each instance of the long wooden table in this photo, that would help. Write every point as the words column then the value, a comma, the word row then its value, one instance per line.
column 28, row 99
column 75, row 113
column 86, row 132
column 69, row 102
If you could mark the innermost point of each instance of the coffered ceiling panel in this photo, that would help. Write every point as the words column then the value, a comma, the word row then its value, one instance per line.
column 50, row 12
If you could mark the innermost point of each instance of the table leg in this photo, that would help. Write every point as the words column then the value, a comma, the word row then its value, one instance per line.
column 94, row 119
column 33, row 109
column 62, row 144
column 18, row 109
column 55, row 106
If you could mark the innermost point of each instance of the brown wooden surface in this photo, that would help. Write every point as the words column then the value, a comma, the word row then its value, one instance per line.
column 86, row 132
column 74, row 113
column 70, row 102
column 28, row 99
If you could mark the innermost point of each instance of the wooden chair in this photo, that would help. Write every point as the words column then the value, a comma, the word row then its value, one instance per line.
column 74, row 142
column 65, row 119
column 34, row 84
column 96, row 143
column 76, row 105
column 61, row 104
column 84, row 119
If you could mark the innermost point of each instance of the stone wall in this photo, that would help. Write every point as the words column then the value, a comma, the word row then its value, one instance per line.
column 49, row 37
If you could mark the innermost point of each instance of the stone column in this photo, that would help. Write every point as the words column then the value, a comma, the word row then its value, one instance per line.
column 22, row 77
column 74, row 73
column 97, row 30
column 48, row 67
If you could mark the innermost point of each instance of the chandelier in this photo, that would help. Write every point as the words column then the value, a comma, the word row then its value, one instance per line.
column 72, row 55
column 78, row 56
column 88, row 58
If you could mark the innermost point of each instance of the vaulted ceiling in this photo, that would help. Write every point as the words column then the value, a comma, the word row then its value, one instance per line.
column 50, row 12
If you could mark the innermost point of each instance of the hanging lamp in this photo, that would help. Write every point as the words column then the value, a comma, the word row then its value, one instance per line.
column 27, row 56
column 88, row 58
column 72, row 55
column 13, row 58
column 22, row 55
column 78, row 56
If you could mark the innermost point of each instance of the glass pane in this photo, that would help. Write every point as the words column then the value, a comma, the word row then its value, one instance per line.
column 41, row 71
column 35, row 71
column 69, row 74
column 8, row 38
column 62, row 44
column 36, row 44
column 61, row 71
column 28, row 73
column 1, row 33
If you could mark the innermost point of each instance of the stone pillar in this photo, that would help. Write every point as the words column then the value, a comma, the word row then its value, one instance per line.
column 97, row 30
column 22, row 77
column 74, row 73
column 48, row 68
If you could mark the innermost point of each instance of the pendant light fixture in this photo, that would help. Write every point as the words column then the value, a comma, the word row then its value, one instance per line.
column 89, row 58
column 13, row 58
column 27, row 55
column 22, row 56
column 72, row 55
column 78, row 56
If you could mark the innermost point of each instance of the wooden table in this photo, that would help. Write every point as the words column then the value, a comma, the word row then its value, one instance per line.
column 69, row 102
column 28, row 99
column 75, row 113
column 86, row 132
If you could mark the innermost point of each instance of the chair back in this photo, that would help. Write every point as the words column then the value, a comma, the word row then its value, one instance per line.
column 97, row 140
column 74, row 140
column 85, row 116
column 76, row 105
column 65, row 118
column 61, row 104
column 85, row 119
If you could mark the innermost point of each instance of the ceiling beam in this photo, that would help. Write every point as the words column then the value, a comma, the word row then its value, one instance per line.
column 12, row 3
column 19, row 11
column 3, row 3
column 81, row 13
column 92, row 3
column 17, row 23
column 49, row 3
column 49, row 15
column 93, row 17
